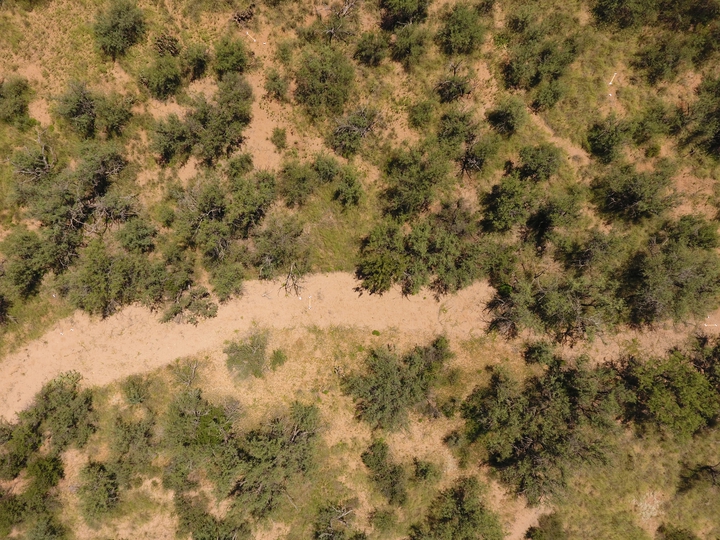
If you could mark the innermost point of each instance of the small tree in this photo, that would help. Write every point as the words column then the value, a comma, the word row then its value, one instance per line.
column 410, row 45
column 14, row 100
column 119, row 27
column 78, row 106
column 194, row 61
column 461, row 32
column 389, row 477
column 350, row 130
column 99, row 492
column 231, row 56
column 540, row 162
column 162, row 78
column 371, row 49
column 249, row 356
column 401, row 12
column 508, row 117
column 605, row 138
column 324, row 81
column 276, row 86
column 459, row 513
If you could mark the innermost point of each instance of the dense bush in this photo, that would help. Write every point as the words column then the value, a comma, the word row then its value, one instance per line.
column 549, row 527
column 276, row 86
column 371, row 48
column 458, row 512
column 119, row 27
column 509, row 203
column 401, row 12
column 412, row 176
column 605, row 139
column 508, row 116
column 162, row 78
column 393, row 385
column 536, row 431
column 410, row 45
column 99, row 492
column 231, row 56
column 194, row 61
column 324, row 81
column 539, row 162
column 421, row 114
column 27, row 261
column 632, row 195
column 280, row 248
column 14, row 100
column 249, row 356
column 78, row 107
column 705, row 117
column 172, row 138
column 389, row 477
column 461, row 32
column 350, row 130
column 671, row 394
column 453, row 87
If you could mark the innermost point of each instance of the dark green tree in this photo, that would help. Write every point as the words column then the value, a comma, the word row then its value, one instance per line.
column 119, row 27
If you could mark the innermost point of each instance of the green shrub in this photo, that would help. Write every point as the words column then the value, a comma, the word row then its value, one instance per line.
column 401, row 12
column 231, row 56
column 349, row 131
column 410, row 45
column 280, row 248
column 194, row 61
column 349, row 191
column 324, row 81
column 14, row 100
column 191, row 306
column 276, row 86
column 605, row 139
column 99, row 491
column 328, row 168
column 277, row 359
column 249, row 356
column 27, row 261
column 371, row 49
column 536, row 431
column 227, row 279
column 478, row 153
column 279, row 138
column 46, row 527
column 461, row 32
column 393, row 385
column 412, row 176
column 672, row 394
column 298, row 181
column 508, row 204
column 540, row 162
column 508, row 117
column 661, row 58
column 135, row 389
column 421, row 114
column 455, row 128
column 632, row 195
column 548, row 93
column 113, row 113
column 389, row 477
column 426, row 471
column 162, row 78
column 382, row 258
column 624, row 13
column 668, row 532
column 78, row 107
column 172, row 138
column 120, row 27
column 458, row 512
column 705, row 117
column 539, row 352
column 549, row 527
column 453, row 88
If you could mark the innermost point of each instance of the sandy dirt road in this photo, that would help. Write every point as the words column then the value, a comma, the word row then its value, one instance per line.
column 134, row 340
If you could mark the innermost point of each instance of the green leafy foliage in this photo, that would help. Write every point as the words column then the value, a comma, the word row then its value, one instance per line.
column 249, row 356
column 99, row 491
column 633, row 195
column 410, row 45
column 705, row 117
column 412, row 175
column 119, row 27
column 231, row 56
column 605, row 139
column 324, row 81
column 14, row 100
column 539, row 162
column 279, row 138
column 401, row 12
column 549, row 527
column 392, row 385
column 389, row 477
column 672, row 394
column 351, row 130
column 163, row 77
column 536, row 431
column 458, row 512
column 461, row 32
column 508, row 116
column 276, row 85
column 371, row 49
column 194, row 61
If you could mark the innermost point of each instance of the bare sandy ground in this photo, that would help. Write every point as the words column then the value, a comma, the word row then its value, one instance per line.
column 134, row 340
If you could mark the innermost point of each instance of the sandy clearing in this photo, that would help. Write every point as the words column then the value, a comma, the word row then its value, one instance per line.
column 134, row 340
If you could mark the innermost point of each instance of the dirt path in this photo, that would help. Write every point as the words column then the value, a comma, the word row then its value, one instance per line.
column 134, row 340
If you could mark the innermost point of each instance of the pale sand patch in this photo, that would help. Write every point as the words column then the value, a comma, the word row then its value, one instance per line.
column 134, row 340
